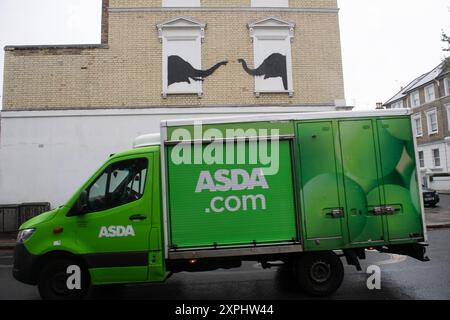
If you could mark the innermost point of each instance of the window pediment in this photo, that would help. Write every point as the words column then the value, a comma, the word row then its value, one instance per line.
column 271, row 25
column 181, row 23
column 271, row 22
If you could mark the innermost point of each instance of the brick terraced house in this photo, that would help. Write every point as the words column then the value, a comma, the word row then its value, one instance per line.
column 429, row 98
column 159, row 59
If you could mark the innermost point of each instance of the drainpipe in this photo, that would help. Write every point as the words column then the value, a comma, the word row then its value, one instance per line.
column 447, row 143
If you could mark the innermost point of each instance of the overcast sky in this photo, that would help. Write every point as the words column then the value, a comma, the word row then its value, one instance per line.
column 385, row 43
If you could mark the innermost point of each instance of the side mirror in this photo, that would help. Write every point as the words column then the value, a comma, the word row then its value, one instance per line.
column 82, row 203
column 80, row 207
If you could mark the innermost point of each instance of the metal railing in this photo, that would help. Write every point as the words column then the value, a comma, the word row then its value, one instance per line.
column 12, row 216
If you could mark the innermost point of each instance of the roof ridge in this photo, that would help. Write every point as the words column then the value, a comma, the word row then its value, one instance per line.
column 412, row 85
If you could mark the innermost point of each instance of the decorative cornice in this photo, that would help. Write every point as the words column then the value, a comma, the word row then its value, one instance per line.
column 162, row 110
column 56, row 47
column 223, row 9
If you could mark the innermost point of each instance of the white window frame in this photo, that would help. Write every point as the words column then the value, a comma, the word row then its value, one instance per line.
column 273, row 29
column 180, row 29
column 447, row 109
column 181, row 3
column 416, row 131
column 427, row 98
column 413, row 94
column 421, row 159
column 434, row 158
column 270, row 3
column 447, row 86
column 429, row 113
column 398, row 105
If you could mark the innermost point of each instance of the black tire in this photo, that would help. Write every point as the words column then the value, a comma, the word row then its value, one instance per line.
column 52, row 281
column 319, row 274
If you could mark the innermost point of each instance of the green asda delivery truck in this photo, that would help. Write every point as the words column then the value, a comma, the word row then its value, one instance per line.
column 304, row 189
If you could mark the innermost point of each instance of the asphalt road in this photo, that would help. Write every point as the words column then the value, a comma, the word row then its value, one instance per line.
column 401, row 278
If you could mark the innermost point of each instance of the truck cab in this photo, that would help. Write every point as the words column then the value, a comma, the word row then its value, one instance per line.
column 111, row 227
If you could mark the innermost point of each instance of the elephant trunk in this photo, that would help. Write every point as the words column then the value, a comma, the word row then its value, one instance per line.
column 252, row 72
column 210, row 71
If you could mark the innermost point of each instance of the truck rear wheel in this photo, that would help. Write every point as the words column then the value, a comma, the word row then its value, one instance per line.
column 54, row 282
column 320, row 273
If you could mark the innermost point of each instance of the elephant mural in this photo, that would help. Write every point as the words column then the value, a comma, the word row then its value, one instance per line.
column 272, row 67
column 179, row 70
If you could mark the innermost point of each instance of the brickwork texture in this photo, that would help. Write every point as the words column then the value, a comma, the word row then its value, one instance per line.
column 127, row 70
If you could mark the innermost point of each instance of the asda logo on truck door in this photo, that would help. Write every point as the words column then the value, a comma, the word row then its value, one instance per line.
column 116, row 231
column 224, row 180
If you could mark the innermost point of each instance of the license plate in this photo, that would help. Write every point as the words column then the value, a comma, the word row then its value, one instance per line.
column 429, row 199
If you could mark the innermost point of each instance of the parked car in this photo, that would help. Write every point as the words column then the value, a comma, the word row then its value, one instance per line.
column 430, row 197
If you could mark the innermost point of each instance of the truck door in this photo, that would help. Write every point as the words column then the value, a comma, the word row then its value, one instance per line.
column 400, row 183
column 114, row 231
column 361, row 181
column 322, row 210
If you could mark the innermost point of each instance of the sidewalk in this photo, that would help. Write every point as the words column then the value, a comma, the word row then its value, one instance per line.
column 7, row 243
column 437, row 218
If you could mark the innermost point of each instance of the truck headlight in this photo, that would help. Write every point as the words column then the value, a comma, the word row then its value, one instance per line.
column 24, row 235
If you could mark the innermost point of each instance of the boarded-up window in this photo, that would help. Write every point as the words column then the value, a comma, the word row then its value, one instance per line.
column 181, row 40
column 272, row 55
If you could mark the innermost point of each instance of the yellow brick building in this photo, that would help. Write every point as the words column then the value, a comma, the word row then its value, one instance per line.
column 67, row 108
column 126, row 69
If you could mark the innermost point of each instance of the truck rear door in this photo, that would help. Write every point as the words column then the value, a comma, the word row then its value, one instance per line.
column 320, row 186
column 403, row 214
column 359, row 183
column 361, row 173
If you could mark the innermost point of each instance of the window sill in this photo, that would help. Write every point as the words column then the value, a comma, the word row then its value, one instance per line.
column 258, row 93
column 178, row 93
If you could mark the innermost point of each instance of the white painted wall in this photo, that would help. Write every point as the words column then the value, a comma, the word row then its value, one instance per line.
column 444, row 149
column 45, row 156
column 440, row 183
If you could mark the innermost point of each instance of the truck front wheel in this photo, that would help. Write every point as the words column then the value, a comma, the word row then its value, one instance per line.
column 319, row 273
column 63, row 279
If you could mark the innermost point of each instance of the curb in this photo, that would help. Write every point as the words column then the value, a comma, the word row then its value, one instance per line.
column 7, row 245
column 438, row 226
